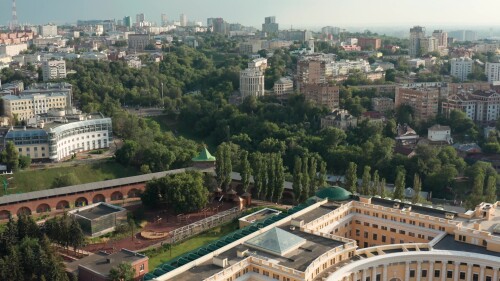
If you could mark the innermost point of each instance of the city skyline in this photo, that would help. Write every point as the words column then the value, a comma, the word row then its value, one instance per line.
column 297, row 13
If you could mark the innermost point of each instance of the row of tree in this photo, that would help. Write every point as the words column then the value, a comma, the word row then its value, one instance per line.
column 309, row 174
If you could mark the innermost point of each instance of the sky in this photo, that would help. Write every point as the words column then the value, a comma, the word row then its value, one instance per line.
column 299, row 13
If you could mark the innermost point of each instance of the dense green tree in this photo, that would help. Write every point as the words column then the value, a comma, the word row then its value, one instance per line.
column 257, row 168
column 366, row 181
column 313, row 165
column 491, row 190
column 476, row 196
column 374, row 184
column 246, row 170
column 305, row 180
column 399, row 185
column 279, row 181
column 351, row 178
column 322, row 175
column 297, row 178
column 417, row 188
column 271, row 176
column 10, row 156
column 122, row 272
column 67, row 179
column 382, row 188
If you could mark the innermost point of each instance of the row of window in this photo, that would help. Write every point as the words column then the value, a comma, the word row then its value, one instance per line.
column 401, row 220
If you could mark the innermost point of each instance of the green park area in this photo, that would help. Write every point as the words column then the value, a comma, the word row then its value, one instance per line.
column 46, row 178
column 164, row 254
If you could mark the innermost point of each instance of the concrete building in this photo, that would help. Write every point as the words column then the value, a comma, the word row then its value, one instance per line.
column 416, row 63
column 39, row 99
column 442, row 37
column 322, row 94
column 438, row 133
column 140, row 19
column 424, row 101
column 341, row 119
column 330, row 30
column 250, row 47
column 48, row 30
column 492, row 71
column 183, row 20
column 53, row 69
column 96, row 267
column 252, row 82
column 382, row 104
column 13, row 49
column 57, row 136
column 461, row 67
column 137, row 42
column 416, row 33
column 335, row 236
column 220, row 26
column 428, row 45
column 480, row 106
column 284, row 86
column 370, row 43
column 270, row 27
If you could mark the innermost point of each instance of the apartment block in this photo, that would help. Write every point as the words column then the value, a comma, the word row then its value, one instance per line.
column 424, row 101
column 284, row 86
column 370, row 43
column 322, row 94
column 461, row 67
column 480, row 106
column 53, row 69
column 382, row 104
column 492, row 71
column 137, row 42
column 252, row 82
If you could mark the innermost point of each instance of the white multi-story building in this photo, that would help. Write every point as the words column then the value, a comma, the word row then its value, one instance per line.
column 57, row 136
column 252, row 82
column 48, row 30
column 492, row 70
column 53, row 69
column 442, row 37
column 461, row 67
column 260, row 63
column 13, row 50
column 283, row 86
column 183, row 20
column 480, row 106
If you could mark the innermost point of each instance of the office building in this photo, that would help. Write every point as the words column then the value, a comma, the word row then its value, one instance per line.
column 56, row 136
column 322, row 94
column 330, row 30
column 311, row 71
column 423, row 101
column 416, row 33
column 252, row 82
column 270, row 27
column 164, row 20
column 442, row 37
column 382, row 104
column 138, row 42
column 53, row 69
column 461, row 67
column 127, row 22
column 428, row 45
column 48, row 30
column 336, row 236
column 369, row 43
column 183, row 20
column 250, row 47
column 220, row 26
column 139, row 19
column 492, row 71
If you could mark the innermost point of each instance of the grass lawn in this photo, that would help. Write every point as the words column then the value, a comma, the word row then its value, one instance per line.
column 40, row 179
column 160, row 255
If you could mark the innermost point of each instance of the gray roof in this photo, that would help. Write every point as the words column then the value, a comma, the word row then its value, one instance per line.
column 16, row 198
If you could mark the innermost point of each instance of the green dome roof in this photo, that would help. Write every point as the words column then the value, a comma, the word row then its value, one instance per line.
column 335, row 193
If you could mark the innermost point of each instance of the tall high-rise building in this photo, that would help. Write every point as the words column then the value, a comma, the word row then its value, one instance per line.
column 461, row 67
column 252, row 82
column 492, row 71
column 416, row 33
column 127, row 22
column 53, row 69
column 48, row 30
column 220, row 26
column 428, row 44
column 139, row 19
column 183, row 20
column 164, row 20
column 442, row 37
column 270, row 27
column 423, row 101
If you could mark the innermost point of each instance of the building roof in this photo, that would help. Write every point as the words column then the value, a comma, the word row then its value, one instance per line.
column 276, row 240
column 204, row 156
column 96, row 211
column 102, row 263
column 15, row 198
column 449, row 243
column 334, row 193
column 438, row 127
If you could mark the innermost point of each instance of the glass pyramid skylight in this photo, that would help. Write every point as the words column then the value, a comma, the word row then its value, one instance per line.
column 276, row 241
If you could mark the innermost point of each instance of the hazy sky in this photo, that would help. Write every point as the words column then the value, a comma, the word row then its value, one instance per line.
column 300, row 13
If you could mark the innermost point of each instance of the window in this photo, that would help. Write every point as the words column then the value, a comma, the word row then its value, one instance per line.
column 449, row 274
column 383, row 238
column 412, row 273
column 357, row 232
column 424, row 273
column 437, row 273
column 366, row 234
column 374, row 236
column 265, row 273
column 141, row 268
column 276, row 276
column 475, row 277
column 488, row 278
column 462, row 275
column 256, row 270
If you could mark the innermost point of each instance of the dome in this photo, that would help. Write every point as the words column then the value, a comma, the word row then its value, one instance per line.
column 334, row 193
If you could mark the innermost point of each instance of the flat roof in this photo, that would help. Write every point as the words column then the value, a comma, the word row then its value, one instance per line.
column 96, row 211
column 449, row 243
column 424, row 210
column 102, row 263
column 83, row 188
column 317, row 213
column 298, row 259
